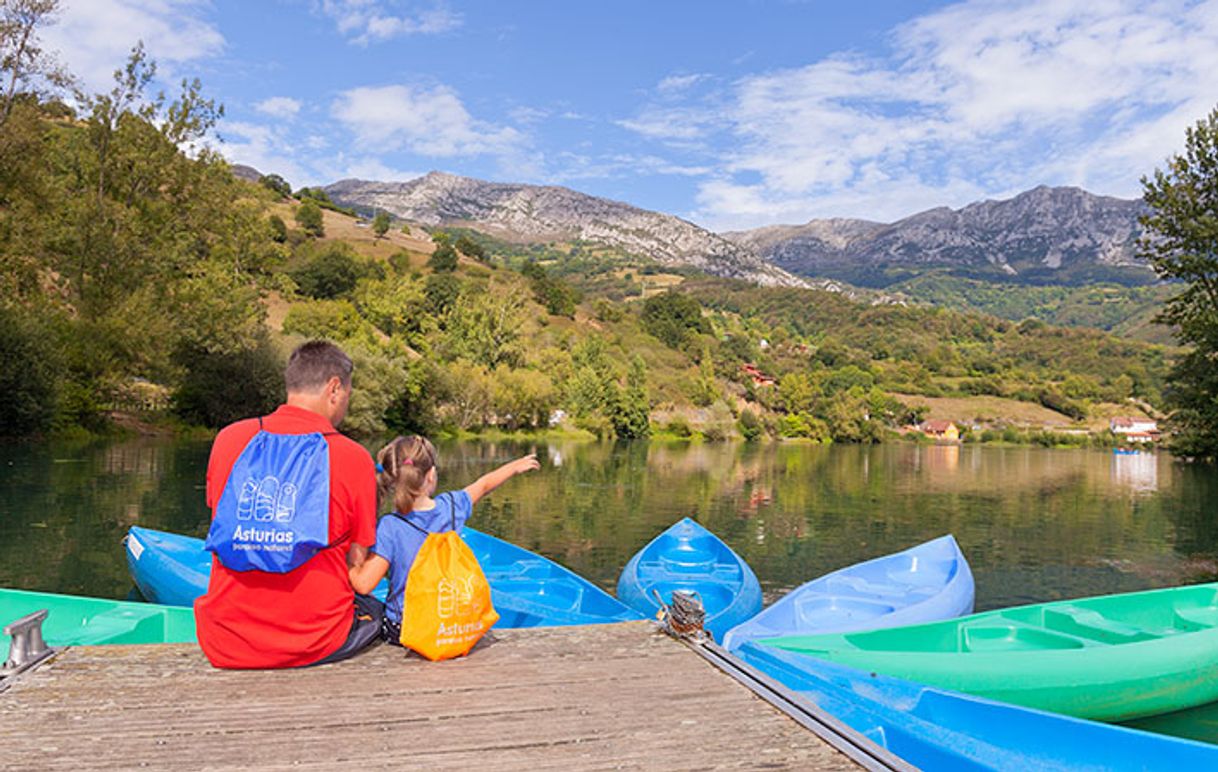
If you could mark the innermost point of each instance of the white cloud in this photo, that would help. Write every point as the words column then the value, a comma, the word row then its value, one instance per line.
column 676, row 83
column 367, row 21
column 279, row 107
column 266, row 149
column 430, row 122
column 94, row 37
column 981, row 98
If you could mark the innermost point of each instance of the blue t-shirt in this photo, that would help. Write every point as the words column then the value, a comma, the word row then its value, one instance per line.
column 399, row 543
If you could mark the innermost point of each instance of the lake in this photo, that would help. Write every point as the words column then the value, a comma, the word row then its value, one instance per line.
column 1036, row 524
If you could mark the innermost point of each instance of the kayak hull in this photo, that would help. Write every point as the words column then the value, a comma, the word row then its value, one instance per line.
column 73, row 620
column 929, row 582
column 934, row 728
column 1109, row 658
column 690, row 558
column 527, row 589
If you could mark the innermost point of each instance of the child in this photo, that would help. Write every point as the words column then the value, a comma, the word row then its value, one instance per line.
column 408, row 479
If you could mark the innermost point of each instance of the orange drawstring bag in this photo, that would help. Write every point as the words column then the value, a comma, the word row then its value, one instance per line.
column 447, row 608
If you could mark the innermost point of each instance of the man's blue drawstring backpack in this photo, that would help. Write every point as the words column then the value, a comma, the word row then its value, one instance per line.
column 274, row 513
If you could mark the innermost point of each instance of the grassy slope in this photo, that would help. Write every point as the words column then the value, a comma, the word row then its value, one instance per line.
column 670, row 372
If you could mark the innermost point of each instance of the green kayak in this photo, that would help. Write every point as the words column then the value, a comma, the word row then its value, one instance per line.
column 1110, row 658
column 73, row 620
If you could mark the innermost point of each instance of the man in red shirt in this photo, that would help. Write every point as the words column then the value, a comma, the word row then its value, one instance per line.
column 258, row 619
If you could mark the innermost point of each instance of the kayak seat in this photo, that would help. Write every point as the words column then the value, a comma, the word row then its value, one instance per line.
column 558, row 594
column 1196, row 618
column 852, row 585
column 532, row 569
column 990, row 637
column 715, row 597
column 813, row 609
column 688, row 561
column 1090, row 624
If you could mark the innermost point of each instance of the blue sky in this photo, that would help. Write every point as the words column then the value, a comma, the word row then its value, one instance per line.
column 731, row 114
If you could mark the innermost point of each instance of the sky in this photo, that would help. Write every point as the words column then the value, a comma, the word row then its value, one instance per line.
column 730, row 114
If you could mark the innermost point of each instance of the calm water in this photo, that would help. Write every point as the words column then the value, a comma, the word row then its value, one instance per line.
column 1035, row 524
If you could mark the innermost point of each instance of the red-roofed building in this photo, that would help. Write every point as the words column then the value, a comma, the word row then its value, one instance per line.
column 1135, row 429
column 940, row 430
column 759, row 378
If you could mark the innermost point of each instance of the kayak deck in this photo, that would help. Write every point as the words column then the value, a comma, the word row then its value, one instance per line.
column 74, row 620
column 1111, row 658
column 603, row 696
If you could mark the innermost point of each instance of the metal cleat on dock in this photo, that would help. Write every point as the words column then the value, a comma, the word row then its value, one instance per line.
column 26, row 647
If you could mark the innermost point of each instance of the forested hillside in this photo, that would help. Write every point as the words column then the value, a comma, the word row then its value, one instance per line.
column 139, row 275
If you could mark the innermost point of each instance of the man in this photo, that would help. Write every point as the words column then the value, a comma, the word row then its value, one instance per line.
column 304, row 614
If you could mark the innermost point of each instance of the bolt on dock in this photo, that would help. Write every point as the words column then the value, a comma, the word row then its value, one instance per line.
column 619, row 696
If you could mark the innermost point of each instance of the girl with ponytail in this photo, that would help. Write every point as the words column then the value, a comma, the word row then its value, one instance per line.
column 407, row 477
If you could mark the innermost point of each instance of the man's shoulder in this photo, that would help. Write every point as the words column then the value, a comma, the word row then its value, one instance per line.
column 348, row 452
column 235, row 435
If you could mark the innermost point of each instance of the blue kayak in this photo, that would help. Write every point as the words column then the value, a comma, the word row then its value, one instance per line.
column 167, row 568
column 938, row 729
column 527, row 589
column 689, row 557
column 926, row 583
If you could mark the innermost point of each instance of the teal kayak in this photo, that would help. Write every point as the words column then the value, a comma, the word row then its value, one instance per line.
column 77, row 621
column 1110, row 658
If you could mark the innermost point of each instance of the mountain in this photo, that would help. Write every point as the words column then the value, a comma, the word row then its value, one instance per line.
column 533, row 213
column 1042, row 236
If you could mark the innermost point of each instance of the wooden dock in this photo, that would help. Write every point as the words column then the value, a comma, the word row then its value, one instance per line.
column 603, row 697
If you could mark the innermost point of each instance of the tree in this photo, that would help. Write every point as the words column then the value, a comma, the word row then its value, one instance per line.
column 444, row 259
column 470, row 248
column 380, row 224
column 279, row 229
column 308, row 217
column 630, row 412
column 332, row 273
column 1181, row 242
column 277, row 184
column 23, row 63
column 673, row 318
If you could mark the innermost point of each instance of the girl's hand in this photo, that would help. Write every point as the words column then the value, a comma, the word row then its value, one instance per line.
column 528, row 463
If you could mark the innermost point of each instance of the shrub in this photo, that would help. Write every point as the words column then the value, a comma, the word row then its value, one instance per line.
column 219, row 388
column 332, row 273
column 750, row 426
column 673, row 317
column 29, row 365
column 444, row 259
column 308, row 217
column 279, row 229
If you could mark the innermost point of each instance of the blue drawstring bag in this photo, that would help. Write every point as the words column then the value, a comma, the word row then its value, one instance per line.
column 274, row 513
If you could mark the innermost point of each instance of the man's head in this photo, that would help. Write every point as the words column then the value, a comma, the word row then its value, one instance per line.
column 318, row 378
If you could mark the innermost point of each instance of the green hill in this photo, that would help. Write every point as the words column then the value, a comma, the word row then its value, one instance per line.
column 135, row 277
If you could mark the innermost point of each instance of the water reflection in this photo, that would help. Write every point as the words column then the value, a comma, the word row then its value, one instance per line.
column 1137, row 471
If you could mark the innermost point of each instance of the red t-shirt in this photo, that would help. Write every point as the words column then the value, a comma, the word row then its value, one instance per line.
column 255, row 619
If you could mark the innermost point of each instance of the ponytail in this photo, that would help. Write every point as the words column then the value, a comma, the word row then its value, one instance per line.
column 404, row 465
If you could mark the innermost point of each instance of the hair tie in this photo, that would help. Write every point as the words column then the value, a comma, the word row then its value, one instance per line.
column 380, row 469
column 408, row 462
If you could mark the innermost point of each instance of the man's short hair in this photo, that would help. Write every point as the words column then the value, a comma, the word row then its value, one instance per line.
column 313, row 364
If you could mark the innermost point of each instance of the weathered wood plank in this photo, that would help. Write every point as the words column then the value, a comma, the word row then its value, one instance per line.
column 602, row 697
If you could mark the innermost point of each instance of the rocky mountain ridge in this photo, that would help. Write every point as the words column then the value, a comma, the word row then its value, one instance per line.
column 535, row 213
column 1045, row 235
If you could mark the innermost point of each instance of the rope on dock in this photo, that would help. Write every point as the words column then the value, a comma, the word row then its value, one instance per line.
column 684, row 617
